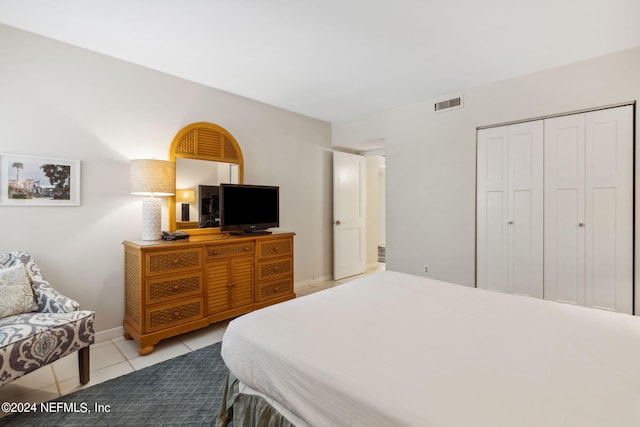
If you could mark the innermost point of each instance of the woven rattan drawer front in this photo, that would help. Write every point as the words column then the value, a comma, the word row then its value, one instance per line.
column 221, row 251
column 275, row 289
column 168, row 289
column 167, row 316
column 273, row 248
column 172, row 261
column 272, row 269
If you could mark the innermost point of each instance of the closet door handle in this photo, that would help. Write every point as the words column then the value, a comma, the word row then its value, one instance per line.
column 510, row 222
column 581, row 224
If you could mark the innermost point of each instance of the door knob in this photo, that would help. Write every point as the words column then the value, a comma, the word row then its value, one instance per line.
column 581, row 224
column 338, row 222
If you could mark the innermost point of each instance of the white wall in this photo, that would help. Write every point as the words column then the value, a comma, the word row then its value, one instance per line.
column 61, row 101
column 431, row 157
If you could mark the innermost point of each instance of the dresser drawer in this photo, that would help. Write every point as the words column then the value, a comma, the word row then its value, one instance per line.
column 167, row 316
column 221, row 251
column 275, row 248
column 273, row 268
column 162, row 262
column 170, row 288
column 275, row 289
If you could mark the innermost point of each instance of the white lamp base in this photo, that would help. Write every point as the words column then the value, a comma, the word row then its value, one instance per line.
column 151, row 219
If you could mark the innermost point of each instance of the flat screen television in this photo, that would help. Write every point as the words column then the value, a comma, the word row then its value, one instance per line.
column 249, row 208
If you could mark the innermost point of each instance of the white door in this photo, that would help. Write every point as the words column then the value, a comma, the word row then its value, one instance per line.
column 609, row 217
column 564, row 209
column 492, row 208
column 510, row 209
column 349, row 251
column 526, row 209
column 589, row 209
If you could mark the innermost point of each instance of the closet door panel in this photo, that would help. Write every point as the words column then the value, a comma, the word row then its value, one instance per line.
column 589, row 209
column 492, row 208
column 564, row 209
column 609, row 213
column 565, row 272
column 525, row 254
column 494, row 273
column 521, row 263
column 509, row 209
column 600, row 234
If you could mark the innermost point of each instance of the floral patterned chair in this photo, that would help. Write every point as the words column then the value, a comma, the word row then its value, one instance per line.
column 38, row 325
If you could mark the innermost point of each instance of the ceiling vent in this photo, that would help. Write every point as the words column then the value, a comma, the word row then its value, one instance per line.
column 448, row 104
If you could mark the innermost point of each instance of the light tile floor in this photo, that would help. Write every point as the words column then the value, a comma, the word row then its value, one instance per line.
column 113, row 358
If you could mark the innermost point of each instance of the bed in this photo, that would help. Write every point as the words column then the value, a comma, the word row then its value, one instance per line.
column 392, row 349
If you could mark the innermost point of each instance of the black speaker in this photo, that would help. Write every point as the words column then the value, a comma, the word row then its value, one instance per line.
column 185, row 212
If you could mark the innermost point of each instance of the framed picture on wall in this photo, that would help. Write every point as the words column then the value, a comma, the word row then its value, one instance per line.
column 39, row 181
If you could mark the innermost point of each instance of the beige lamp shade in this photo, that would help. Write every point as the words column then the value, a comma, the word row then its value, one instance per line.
column 150, row 177
column 185, row 196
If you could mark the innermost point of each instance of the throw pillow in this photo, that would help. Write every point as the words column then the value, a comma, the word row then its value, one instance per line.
column 16, row 293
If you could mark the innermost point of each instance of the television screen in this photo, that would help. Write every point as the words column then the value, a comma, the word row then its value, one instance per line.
column 248, row 208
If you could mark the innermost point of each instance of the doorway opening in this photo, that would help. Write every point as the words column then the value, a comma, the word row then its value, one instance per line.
column 376, row 210
column 359, row 212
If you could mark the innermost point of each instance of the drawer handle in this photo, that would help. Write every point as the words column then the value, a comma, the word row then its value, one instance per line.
column 214, row 252
column 176, row 314
column 246, row 249
column 276, row 289
column 276, row 248
column 176, row 288
column 176, row 261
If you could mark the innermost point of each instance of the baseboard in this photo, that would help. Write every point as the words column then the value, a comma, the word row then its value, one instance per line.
column 310, row 282
column 109, row 334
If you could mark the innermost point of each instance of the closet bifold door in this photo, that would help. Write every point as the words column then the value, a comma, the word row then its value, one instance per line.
column 509, row 219
column 588, row 238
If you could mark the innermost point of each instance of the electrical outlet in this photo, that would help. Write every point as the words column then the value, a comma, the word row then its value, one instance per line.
column 426, row 269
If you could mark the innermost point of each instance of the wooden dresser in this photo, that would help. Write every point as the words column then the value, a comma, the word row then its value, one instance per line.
column 172, row 287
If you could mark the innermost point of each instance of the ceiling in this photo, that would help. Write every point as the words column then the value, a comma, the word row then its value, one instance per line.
column 336, row 60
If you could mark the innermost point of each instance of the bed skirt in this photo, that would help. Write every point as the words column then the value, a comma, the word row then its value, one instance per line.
column 246, row 410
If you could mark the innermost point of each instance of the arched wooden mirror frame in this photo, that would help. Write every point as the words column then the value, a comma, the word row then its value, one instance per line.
column 204, row 141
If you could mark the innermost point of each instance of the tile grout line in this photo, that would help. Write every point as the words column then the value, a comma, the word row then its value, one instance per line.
column 126, row 359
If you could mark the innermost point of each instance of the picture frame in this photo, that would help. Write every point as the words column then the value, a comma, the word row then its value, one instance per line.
column 38, row 181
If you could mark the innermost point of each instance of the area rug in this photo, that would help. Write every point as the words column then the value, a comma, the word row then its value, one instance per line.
column 183, row 391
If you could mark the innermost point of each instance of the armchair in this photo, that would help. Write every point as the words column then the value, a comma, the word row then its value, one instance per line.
column 30, row 340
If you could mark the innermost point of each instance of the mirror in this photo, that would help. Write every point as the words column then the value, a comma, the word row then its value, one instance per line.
column 191, row 174
column 205, row 155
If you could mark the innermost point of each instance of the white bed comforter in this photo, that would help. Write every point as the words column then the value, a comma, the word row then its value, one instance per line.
column 393, row 349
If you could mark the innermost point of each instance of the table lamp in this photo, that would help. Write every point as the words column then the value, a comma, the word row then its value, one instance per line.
column 185, row 197
column 153, row 178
